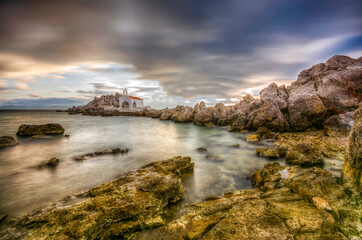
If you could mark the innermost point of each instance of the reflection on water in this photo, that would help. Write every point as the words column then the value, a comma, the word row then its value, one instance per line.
column 24, row 188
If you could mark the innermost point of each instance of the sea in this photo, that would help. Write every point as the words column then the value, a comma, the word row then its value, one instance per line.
column 25, row 188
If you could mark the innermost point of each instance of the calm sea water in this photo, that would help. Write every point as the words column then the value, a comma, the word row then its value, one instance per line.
column 25, row 188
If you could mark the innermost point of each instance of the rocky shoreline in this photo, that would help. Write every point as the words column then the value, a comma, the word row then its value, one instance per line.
column 324, row 96
column 287, row 202
column 307, row 122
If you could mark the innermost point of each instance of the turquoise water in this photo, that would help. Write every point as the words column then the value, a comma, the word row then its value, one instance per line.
column 25, row 188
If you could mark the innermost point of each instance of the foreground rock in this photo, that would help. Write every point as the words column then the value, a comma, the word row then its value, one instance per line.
column 7, row 141
column 352, row 171
column 304, row 155
column 105, row 152
column 49, row 128
column 281, row 207
column 114, row 210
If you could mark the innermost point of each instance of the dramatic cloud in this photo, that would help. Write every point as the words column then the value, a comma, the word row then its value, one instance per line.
column 168, row 52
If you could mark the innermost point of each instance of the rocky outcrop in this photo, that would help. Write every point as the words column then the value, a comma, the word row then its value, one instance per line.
column 278, row 95
column 182, row 114
column 114, row 210
column 7, row 141
column 271, row 152
column 340, row 122
column 287, row 203
column 352, row 170
column 324, row 90
column 304, row 155
column 49, row 128
column 324, row 95
column 269, row 116
column 203, row 115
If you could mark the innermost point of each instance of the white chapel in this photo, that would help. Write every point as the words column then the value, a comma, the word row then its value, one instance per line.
column 127, row 102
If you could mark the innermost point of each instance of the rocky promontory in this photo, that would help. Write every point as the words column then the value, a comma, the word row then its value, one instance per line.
column 323, row 96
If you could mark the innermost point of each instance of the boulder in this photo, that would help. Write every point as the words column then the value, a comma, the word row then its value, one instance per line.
column 7, row 141
column 203, row 116
column 182, row 114
column 153, row 113
column 253, row 138
column 244, row 109
column 221, row 115
column 166, row 113
column 271, row 152
column 352, row 170
column 304, row 155
column 340, row 122
column 269, row 116
column 49, row 128
column 266, row 133
column 276, row 94
column 323, row 90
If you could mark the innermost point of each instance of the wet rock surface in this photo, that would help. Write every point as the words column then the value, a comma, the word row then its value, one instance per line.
column 105, row 152
column 7, row 141
column 114, row 210
column 51, row 163
column 49, row 128
column 280, row 207
column 253, row 138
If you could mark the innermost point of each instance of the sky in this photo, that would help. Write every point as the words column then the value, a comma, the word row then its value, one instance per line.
column 56, row 54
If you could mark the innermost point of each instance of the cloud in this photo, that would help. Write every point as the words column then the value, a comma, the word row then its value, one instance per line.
column 184, row 50
column 33, row 95
column 3, row 85
column 22, row 86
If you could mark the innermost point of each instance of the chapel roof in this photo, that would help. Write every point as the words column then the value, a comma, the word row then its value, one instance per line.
column 135, row 97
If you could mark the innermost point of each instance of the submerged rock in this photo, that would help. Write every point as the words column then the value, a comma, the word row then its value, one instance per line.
column 214, row 158
column 7, row 141
column 105, row 152
column 53, row 162
column 49, row 128
column 114, row 210
column 201, row 149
